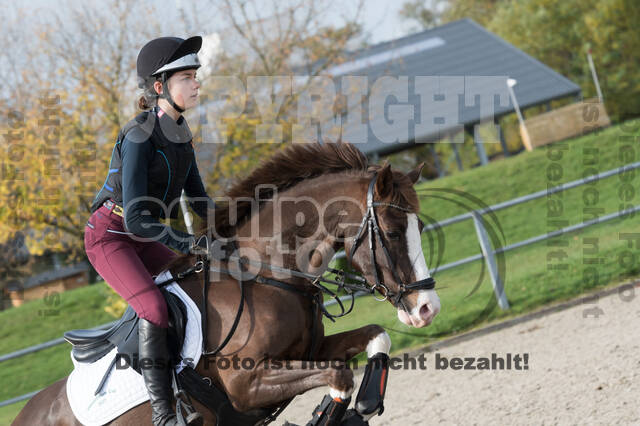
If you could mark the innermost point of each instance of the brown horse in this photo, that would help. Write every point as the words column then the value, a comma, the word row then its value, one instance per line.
column 296, row 210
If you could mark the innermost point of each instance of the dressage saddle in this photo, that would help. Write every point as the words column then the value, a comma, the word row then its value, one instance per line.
column 91, row 345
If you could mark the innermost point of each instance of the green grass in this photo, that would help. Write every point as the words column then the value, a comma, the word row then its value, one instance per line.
column 466, row 292
column 8, row 413
column 528, row 285
column 37, row 322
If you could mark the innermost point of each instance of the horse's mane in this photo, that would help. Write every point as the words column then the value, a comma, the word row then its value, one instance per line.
column 287, row 168
column 283, row 170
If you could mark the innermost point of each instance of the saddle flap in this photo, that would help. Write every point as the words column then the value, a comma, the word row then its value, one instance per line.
column 120, row 389
column 127, row 343
column 91, row 345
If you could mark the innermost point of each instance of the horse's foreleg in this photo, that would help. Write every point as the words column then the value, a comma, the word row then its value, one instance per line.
column 272, row 382
column 377, row 343
column 344, row 346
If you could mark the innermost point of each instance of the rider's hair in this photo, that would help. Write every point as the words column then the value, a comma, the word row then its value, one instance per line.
column 149, row 97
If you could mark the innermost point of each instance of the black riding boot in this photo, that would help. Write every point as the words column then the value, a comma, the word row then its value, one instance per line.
column 157, row 378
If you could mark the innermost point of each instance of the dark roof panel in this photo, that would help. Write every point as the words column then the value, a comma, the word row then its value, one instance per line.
column 55, row 274
column 460, row 48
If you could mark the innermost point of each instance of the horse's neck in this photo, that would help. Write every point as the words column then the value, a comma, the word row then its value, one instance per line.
column 275, row 232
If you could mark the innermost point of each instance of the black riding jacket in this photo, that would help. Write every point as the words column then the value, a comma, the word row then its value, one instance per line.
column 152, row 161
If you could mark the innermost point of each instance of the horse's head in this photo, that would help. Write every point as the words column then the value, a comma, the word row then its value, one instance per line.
column 387, row 248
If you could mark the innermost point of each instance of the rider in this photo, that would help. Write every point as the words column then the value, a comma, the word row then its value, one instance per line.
column 151, row 163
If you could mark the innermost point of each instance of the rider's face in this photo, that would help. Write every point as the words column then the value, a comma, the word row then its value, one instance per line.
column 183, row 86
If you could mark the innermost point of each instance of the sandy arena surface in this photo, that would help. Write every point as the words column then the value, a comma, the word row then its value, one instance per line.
column 581, row 371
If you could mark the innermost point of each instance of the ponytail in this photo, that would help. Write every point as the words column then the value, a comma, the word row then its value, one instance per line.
column 149, row 97
column 142, row 103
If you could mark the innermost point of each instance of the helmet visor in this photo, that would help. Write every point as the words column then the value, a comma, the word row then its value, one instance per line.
column 186, row 62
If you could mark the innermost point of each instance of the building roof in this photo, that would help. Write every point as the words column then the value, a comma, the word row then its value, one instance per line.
column 461, row 48
column 50, row 275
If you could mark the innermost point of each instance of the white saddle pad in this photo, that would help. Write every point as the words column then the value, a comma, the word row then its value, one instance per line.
column 124, row 389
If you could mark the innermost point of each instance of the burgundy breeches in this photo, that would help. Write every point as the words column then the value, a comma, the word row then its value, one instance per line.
column 128, row 265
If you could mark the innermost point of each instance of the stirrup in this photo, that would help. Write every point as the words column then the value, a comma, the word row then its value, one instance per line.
column 185, row 413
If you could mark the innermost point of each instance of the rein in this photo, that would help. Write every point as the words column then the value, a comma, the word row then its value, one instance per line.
column 356, row 284
column 345, row 281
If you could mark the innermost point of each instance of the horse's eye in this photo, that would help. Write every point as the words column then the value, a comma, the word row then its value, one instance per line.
column 393, row 235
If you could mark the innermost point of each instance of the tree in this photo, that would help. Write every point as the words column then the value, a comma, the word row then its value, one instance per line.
column 70, row 89
column 615, row 42
column 559, row 34
column 481, row 11
column 56, row 131
column 427, row 14
column 15, row 263
column 430, row 13
column 273, row 41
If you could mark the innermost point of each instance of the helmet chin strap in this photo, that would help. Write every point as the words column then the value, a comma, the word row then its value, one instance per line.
column 167, row 95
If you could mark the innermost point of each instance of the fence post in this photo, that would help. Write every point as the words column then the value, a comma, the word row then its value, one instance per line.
column 477, row 140
column 490, row 260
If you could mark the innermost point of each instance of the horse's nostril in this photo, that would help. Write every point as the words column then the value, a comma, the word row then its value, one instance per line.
column 425, row 312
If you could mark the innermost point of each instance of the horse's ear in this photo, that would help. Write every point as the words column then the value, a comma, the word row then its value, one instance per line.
column 384, row 181
column 414, row 174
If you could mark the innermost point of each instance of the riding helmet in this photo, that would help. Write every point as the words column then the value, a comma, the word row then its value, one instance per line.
column 165, row 55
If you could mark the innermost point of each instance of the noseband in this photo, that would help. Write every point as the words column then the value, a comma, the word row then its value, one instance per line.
column 370, row 222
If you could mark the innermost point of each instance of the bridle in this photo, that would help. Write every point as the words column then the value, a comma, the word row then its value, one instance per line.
column 355, row 283
column 344, row 280
column 370, row 222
